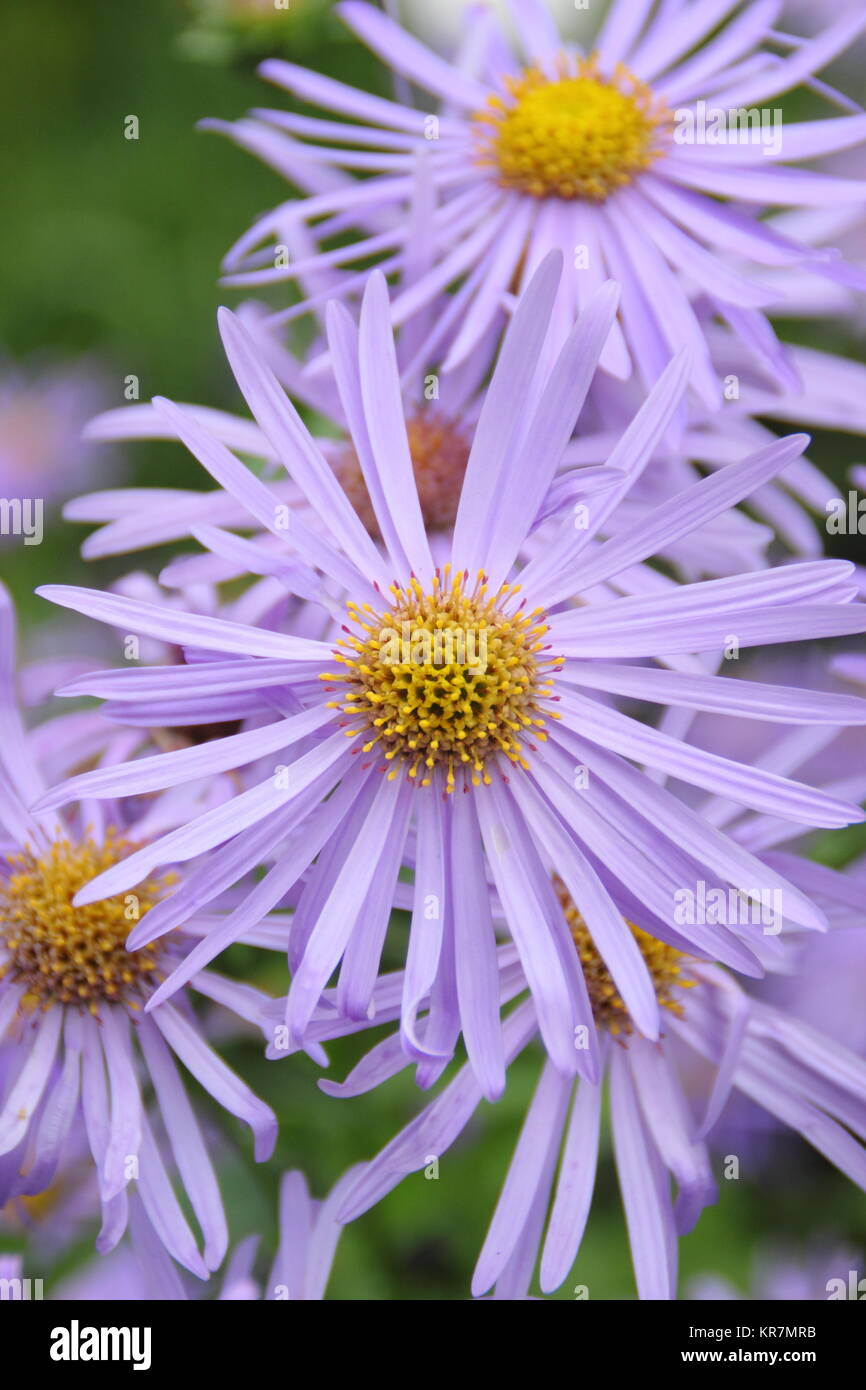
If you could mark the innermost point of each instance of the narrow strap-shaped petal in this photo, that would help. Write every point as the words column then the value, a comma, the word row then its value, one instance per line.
column 383, row 408
column 500, row 417
column 339, row 914
column 695, row 506
column 728, row 46
column 753, row 787
column 125, row 1114
column 434, row 1130
column 620, row 28
column 343, row 344
column 405, row 54
column 736, row 1005
column 663, row 43
column 541, row 1128
column 428, row 915
column 574, row 1188
column 216, row 826
column 283, row 426
column 183, row 629
column 647, row 1205
column 171, row 769
column 29, row 1085
column 202, row 679
column 295, row 1227
column 243, row 853
column 13, row 750
column 319, row 90
column 780, row 704
column 476, row 965
column 188, row 1145
column 270, row 889
column 808, row 58
column 218, row 1080
column 561, row 1000
column 547, row 577
column 669, row 1122
column 614, row 941
column 95, row 1107
column 324, row 1236
column 163, row 1208
column 528, row 474
column 58, row 1111
column 536, row 28
column 627, row 846
column 359, row 968
column 693, row 832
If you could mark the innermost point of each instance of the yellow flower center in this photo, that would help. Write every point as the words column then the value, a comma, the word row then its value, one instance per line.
column 578, row 136
column 440, row 452
column 449, row 678
column 662, row 961
column 75, row 955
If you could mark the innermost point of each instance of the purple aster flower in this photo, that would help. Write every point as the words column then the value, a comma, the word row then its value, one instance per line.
column 504, row 766
column 604, row 157
column 659, row 1116
column 78, row 1049
column 815, row 978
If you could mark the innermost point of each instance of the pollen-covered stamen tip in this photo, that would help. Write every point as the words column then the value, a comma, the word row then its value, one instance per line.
column 452, row 678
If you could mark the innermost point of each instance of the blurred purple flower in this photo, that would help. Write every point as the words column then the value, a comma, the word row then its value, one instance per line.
column 43, row 452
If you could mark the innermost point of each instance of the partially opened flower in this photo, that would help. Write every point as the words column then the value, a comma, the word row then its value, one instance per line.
column 78, row 1051
column 308, row 1233
column 462, row 722
column 307, row 1237
column 606, row 157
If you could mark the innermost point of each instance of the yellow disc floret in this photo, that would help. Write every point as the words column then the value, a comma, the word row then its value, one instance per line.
column 578, row 135
column 664, row 963
column 451, row 678
column 74, row 955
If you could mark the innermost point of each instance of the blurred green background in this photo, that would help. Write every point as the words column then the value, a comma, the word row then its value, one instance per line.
column 111, row 250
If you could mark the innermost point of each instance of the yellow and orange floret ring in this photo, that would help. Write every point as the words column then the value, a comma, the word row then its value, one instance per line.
column 64, row 954
column 453, row 712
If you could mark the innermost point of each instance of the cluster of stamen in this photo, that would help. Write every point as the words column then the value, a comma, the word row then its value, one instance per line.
column 579, row 135
column 664, row 963
column 439, row 451
column 451, row 678
column 64, row 954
